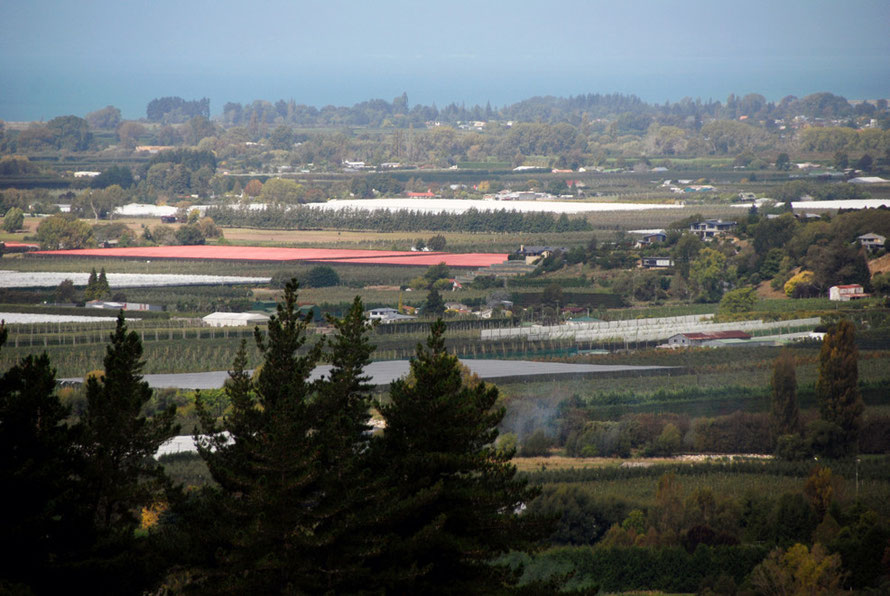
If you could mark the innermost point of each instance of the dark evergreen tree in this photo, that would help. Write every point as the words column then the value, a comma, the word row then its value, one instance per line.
column 121, row 475
column 457, row 497
column 90, row 292
column 267, row 467
column 38, row 465
column 354, row 491
column 434, row 304
column 785, row 414
column 840, row 401
column 102, row 287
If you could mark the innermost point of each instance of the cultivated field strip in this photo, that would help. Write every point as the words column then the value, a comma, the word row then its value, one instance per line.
column 637, row 330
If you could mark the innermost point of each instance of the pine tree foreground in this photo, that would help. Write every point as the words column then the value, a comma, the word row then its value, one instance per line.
column 121, row 475
column 308, row 501
column 300, row 502
column 458, row 499
column 74, row 489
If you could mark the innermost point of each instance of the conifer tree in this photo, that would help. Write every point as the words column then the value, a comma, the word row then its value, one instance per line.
column 90, row 292
column 102, row 287
column 840, row 401
column 354, row 492
column 38, row 464
column 457, row 497
column 785, row 414
column 267, row 467
column 121, row 475
column 434, row 304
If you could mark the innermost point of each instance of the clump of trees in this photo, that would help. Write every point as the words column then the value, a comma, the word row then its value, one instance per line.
column 64, row 231
column 176, row 109
column 97, row 286
column 305, row 498
column 75, row 488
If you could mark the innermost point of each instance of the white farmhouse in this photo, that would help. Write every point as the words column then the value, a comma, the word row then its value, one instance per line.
column 846, row 293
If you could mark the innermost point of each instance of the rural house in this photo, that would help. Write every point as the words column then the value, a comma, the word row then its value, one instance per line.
column 711, row 227
column 872, row 241
column 846, row 293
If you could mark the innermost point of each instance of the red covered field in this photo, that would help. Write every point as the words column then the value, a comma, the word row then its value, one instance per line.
column 267, row 253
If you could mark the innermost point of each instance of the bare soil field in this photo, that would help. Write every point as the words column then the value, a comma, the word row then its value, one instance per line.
column 879, row 265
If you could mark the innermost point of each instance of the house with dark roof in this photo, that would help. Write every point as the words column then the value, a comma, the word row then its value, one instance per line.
column 650, row 239
column 711, row 227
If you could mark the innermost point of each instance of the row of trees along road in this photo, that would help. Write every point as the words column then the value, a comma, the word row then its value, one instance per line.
column 305, row 499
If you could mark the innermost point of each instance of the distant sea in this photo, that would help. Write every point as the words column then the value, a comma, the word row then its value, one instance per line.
column 41, row 94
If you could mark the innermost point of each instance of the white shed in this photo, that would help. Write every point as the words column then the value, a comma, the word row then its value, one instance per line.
column 235, row 319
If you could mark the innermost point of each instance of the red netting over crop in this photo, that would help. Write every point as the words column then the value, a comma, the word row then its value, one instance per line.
column 268, row 253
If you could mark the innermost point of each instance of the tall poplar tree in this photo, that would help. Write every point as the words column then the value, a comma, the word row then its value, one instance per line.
column 840, row 401
column 785, row 413
column 457, row 498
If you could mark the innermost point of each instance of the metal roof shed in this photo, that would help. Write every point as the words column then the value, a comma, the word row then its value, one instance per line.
column 235, row 319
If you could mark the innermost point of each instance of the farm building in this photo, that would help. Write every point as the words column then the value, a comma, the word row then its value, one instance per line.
column 235, row 319
column 387, row 315
column 684, row 340
column 846, row 293
column 123, row 305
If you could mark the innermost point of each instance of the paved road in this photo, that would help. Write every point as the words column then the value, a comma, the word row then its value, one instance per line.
column 386, row 371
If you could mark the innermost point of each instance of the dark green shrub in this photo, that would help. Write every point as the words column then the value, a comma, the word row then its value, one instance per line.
column 793, row 448
column 535, row 445
column 322, row 276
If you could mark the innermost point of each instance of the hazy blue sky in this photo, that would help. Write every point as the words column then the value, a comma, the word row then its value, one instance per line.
column 61, row 56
